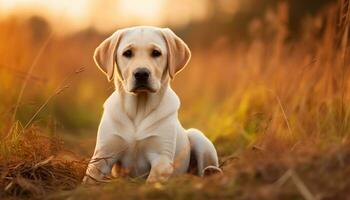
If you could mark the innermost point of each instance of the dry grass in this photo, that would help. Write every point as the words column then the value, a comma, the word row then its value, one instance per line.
column 277, row 108
column 38, row 167
column 33, row 165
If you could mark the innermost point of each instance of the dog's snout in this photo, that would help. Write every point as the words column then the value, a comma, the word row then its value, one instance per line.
column 142, row 74
column 142, row 80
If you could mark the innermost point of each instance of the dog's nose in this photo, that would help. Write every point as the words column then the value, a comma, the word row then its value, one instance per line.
column 141, row 74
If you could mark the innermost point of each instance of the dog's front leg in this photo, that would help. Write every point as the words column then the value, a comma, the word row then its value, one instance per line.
column 162, row 162
column 100, row 165
column 108, row 148
column 161, row 169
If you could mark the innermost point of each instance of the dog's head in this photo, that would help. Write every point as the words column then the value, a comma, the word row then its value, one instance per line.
column 142, row 58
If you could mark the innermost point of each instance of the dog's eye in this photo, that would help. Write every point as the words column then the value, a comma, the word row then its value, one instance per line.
column 127, row 53
column 156, row 53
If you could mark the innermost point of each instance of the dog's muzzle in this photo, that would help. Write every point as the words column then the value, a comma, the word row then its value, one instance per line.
column 142, row 76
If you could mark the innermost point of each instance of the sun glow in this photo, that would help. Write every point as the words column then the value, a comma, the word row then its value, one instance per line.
column 110, row 14
column 60, row 14
column 147, row 11
column 68, row 16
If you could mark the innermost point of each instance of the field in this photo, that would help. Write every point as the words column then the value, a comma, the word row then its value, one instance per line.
column 275, row 106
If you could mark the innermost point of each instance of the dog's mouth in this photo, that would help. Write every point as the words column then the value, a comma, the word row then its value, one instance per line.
column 142, row 89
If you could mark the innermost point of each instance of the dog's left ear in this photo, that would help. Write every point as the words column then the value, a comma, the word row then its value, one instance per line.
column 105, row 54
column 178, row 52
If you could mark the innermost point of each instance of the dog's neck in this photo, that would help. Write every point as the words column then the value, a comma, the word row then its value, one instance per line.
column 139, row 106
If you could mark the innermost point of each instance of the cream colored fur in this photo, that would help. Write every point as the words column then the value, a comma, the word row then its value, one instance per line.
column 141, row 130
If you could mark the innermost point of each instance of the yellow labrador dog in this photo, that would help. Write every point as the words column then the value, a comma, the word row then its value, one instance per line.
column 139, row 128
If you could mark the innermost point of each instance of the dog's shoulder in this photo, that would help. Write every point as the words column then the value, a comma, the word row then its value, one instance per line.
column 170, row 100
column 112, row 101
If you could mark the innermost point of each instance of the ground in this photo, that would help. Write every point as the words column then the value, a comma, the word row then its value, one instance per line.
column 42, row 168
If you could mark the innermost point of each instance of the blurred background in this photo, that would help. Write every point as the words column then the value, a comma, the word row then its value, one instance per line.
column 262, row 70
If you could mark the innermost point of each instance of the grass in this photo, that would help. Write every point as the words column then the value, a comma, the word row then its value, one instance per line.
column 33, row 165
column 39, row 168
column 276, row 107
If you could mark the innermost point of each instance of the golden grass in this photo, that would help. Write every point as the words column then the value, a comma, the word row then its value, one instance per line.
column 276, row 106
column 33, row 165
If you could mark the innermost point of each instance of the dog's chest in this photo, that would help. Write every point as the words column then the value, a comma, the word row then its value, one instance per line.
column 134, row 158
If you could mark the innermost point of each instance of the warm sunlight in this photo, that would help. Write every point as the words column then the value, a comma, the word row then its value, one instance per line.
column 59, row 13
column 106, row 15
column 147, row 11
column 210, row 99
column 79, row 14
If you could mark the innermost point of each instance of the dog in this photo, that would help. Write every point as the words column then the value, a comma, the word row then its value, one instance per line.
column 139, row 128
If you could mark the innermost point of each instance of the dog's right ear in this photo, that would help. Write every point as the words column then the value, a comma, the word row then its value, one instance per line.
column 105, row 55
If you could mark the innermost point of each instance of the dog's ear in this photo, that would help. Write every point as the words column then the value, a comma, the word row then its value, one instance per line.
column 105, row 54
column 178, row 52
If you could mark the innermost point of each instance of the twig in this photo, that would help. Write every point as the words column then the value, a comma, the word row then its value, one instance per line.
column 29, row 73
column 9, row 186
column 59, row 90
column 283, row 112
column 344, row 51
column 291, row 174
column 228, row 159
column 44, row 162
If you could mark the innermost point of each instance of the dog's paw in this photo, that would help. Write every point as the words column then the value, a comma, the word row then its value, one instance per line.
column 211, row 170
column 87, row 180
column 158, row 178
